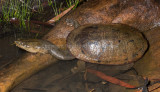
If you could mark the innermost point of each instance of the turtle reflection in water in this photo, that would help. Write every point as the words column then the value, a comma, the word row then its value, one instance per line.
column 111, row 44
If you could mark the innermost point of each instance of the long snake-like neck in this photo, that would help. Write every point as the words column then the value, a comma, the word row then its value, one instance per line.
column 61, row 54
column 44, row 46
column 64, row 54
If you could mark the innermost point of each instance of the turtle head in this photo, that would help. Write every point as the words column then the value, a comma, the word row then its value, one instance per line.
column 31, row 45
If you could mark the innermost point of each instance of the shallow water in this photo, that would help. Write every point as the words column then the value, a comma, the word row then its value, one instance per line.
column 59, row 78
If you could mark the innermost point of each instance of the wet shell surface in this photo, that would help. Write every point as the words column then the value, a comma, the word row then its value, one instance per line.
column 112, row 44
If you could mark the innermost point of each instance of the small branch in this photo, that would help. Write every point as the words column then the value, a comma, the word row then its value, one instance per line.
column 35, row 89
column 60, row 15
column 16, row 21
column 110, row 79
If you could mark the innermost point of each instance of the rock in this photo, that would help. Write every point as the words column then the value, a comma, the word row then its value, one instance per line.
column 149, row 65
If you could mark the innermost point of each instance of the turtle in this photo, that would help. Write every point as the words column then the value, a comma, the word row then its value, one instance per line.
column 110, row 44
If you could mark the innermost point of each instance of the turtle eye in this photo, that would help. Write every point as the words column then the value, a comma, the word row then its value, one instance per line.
column 21, row 43
column 24, row 46
column 27, row 46
column 37, row 47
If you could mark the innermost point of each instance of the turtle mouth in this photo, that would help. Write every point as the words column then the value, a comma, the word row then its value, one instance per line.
column 19, row 43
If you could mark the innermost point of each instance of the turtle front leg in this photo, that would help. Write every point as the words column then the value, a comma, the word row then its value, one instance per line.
column 80, row 66
column 72, row 22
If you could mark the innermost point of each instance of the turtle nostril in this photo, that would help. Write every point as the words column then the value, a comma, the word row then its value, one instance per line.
column 16, row 42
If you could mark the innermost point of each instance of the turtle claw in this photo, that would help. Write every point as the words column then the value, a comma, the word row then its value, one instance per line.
column 144, row 87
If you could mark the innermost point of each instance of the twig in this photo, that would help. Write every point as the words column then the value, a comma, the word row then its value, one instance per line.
column 60, row 15
column 35, row 31
column 110, row 79
column 16, row 21
column 35, row 89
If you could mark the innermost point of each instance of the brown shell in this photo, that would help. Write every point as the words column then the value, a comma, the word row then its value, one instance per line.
column 107, row 44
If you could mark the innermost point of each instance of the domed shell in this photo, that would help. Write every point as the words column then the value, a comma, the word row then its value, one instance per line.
column 112, row 44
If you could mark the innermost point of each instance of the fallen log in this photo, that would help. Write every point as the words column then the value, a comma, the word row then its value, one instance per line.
column 23, row 68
